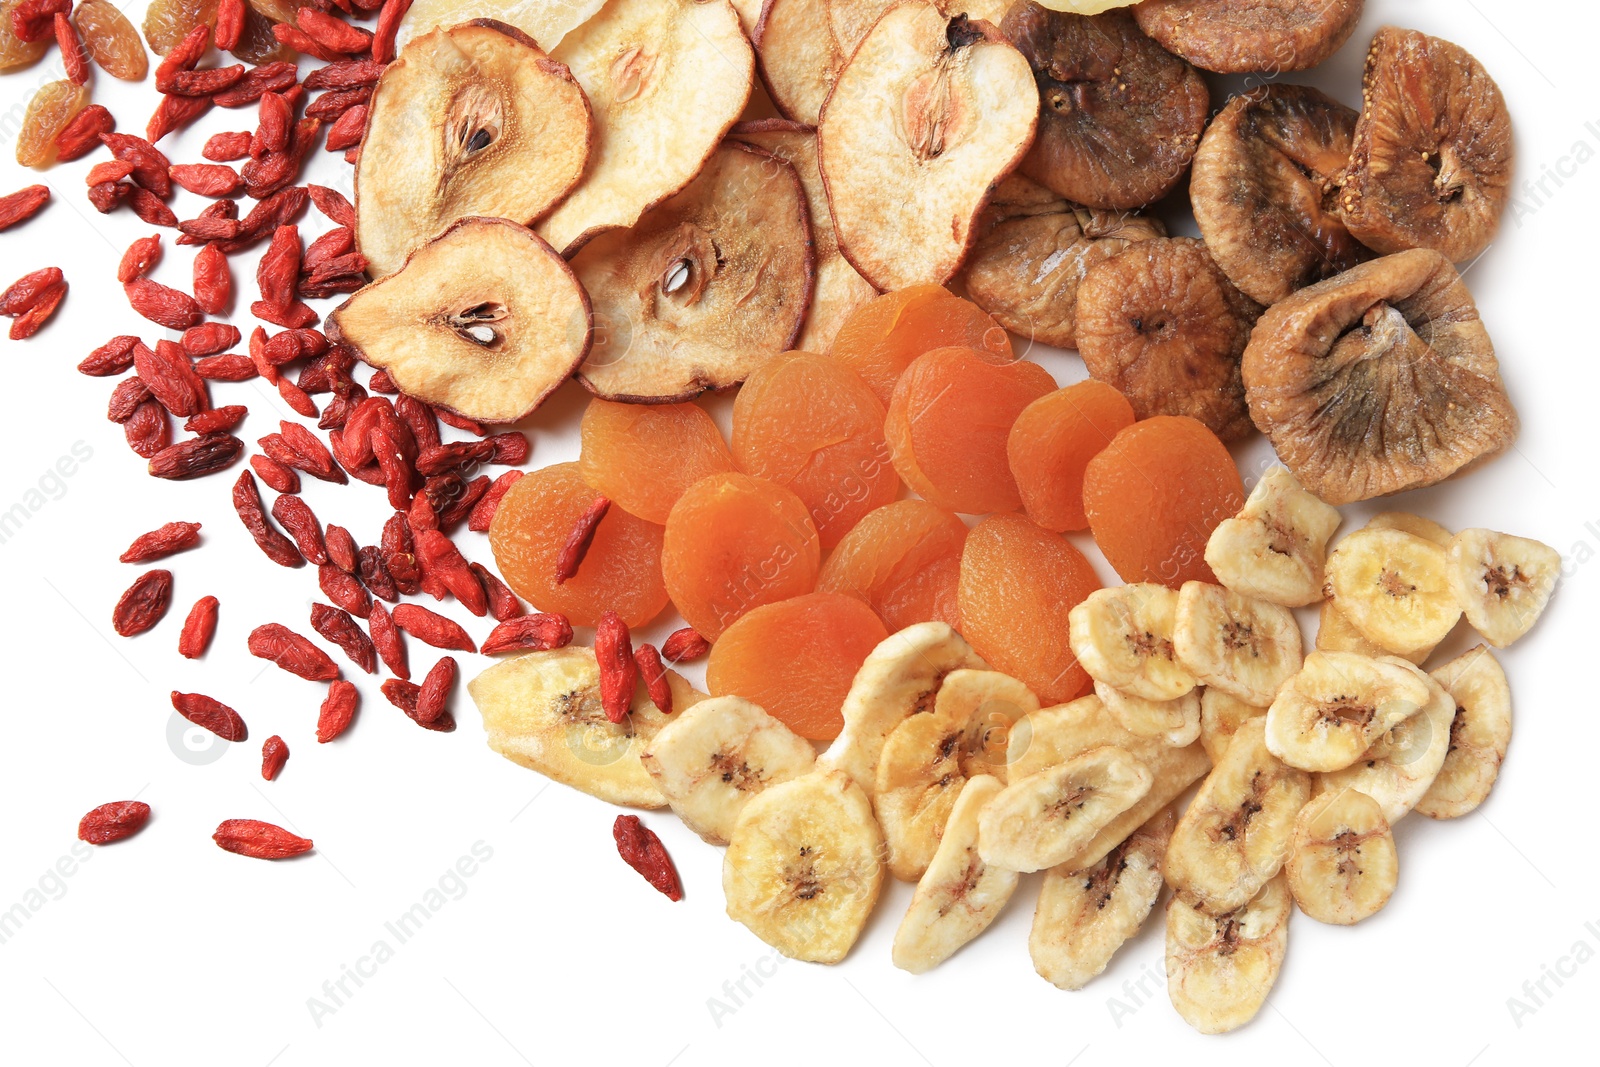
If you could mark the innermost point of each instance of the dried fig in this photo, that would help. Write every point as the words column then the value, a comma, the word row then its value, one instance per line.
column 1431, row 163
column 1119, row 118
column 1026, row 269
column 1162, row 323
column 1246, row 36
column 1263, row 190
column 1378, row 380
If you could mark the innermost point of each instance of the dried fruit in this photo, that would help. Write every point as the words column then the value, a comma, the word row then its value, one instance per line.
column 1161, row 323
column 386, row 639
column 276, row 642
column 259, row 840
column 210, row 714
column 196, row 457
column 336, row 626
column 163, row 305
column 547, row 22
column 1247, row 648
column 1401, row 766
column 432, row 628
column 1154, row 496
column 901, row 130
column 113, row 357
column 432, row 699
column 168, row 22
column 143, row 604
column 337, row 711
column 1243, row 36
column 903, row 560
column 1051, row 444
column 1344, row 867
column 643, row 851
column 1119, row 117
column 73, row 56
column 171, row 379
column 113, row 821
column 1221, row 968
column 733, row 543
column 274, row 754
column 576, row 546
column 684, row 644
column 1011, row 570
column 802, row 45
column 82, row 135
column 247, row 503
column 531, row 633
column 1329, row 714
column 1502, row 582
column 1432, row 158
column 1264, row 193
column 1048, row 817
column 17, row 51
column 644, row 456
column 51, row 109
column 1480, row 733
column 948, row 421
column 1275, row 549
column 149, row 433
column 22, row 205
column 1395, row 588
column 619, row 671
column 1123, row 638
column 198, row 628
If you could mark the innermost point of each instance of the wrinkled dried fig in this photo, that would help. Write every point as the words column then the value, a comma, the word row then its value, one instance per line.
column 1246, row 36
column 709, row 283
column 1119, row 118
column 1378, row 380
column 1432, row 158
column 1263, row 190
column 1026, row 269
column 1161, row 322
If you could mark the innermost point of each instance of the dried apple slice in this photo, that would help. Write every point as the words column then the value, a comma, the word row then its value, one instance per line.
column 929, row 114
column 485, row 320
column 547, row 21
column 474, row 120
column 706, row 286
column 839, row 289
column 666, row 79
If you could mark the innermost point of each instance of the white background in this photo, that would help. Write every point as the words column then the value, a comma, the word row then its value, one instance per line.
column 166, row 950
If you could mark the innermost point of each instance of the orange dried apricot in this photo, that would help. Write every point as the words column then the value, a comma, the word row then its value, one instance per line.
column 903, row 560
column 881, row 337
column 734, row 543
column 1052, row 442
column 810, row 423
column 796, row 659
column 1018, row 584
column 643, row 456
column 1154, row 495
column 948, row 422
column 621, row 572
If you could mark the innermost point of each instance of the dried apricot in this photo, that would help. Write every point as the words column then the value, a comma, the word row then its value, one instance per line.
column 948, row 422
column 111, row 40
column 883, row 336
column 810, row 423
column 1018, row 584
column 14, row 51
column 166, row 22
column 904, row 560
column 643, row 456
column 1052, row 442
column 621, row 571
column 1154, row 496
column 796, row 659
column 733, row 543
column 52, row 107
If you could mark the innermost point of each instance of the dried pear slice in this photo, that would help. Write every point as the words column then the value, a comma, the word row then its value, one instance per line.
column 1035, row 250
column 1249, row 36
column 1431, row 164
column 474, row 120
column 1119, row 118
column 1263, row 190
column 926, row 117
column 707, row 284
column 1378, row 380
column 546, row 21
column 485, row 320
column 839, row 289
column 666, row 79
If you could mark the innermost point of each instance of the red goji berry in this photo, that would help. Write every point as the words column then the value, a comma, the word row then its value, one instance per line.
column 32, row 20
column 213, row 281
column 374, row 575
column 175, row 112
column 279, row 267
column 432, row 628
column 334, row 104
column 229, row 368
column 28, row 290
column 335, row 625
column 424, row 427
column 150, row 164
column 113, row 357
column 319, row 463
column 510, row 448
column 226, row 147
column 274, row 754
column 388, row 642
column 440, row 559
column 207, row 179
column 247, row 503
column 435, row 691
column 332, row 34
column 337, row 711
column 163, row 305
column 274, row 122
column 464, row 499
column 684, row 645
column 297, row 398
column 403, row 695
column 531, row 633
column 28, row 323
column 150, row 208
column 347, row 130
column 333, row 204
column 126, row 398
column 345, row 590
column 143, row 604
column 82, row 135
column 209, row 338
column 267, row 78
column 73, row 57
column 341, row 548
column 198, row 628
column 111, row 170
column 163, row 541
column 296, row 517
column 503, row 603
column 196, row 457
column 654, row 676
column 259, row 840
column 140, row 258
column 450, row 418
column 183, row 55
column 380, row 382
column 211, row 714
column 570, row 558
column 276, row 642
column 148, row 431
column 113, row 822
column 484, row 511
column 383, row 35
column 231, row 15
column 642, row 850
column 171, row 379
column 217, row 419
column 23, row 205
column 619, row 673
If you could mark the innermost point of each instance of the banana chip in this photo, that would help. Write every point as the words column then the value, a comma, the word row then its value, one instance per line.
column 1395, row 588
column 1343, row 867
column 1221, row 968
column 1247, row 648
column 1221, row 716
column 1400, row 766
column 1502, row 582
column 1335, row 633
column 1172, row 722
column 1049, row 817
column 1480, row 733
column 1123, row 639
column 1332, row 712
column 1276, row 547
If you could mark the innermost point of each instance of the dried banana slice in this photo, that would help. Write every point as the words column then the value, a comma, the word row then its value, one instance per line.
column 1502, row 582
column 1335, row 633
column 1221, row 716
column 1221, row 968
column 1276, row 547
column 710, row 760
column 1395, row 588
column 1047, row 818
column 1343, row 867
column 804, row 866
column 928, row 758
column 1401, row 765
column 543, row 710
column 1172, row 722
column 899, row 679
column 1332, row 712
column 1085, row 915
column 1123, row 638
column 1245, row 647
column 1416, row 525
column 1235, row 834
column 1480, row 733
column 1052, row 736
column 960, row 895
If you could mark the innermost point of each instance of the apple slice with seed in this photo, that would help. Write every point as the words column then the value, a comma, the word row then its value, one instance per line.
column 706, row 286
column 926, row 118
column 474, row 120
column 485, row 320
column 666, row 79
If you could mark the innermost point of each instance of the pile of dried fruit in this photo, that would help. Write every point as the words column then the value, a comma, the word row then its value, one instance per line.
column 592, row 193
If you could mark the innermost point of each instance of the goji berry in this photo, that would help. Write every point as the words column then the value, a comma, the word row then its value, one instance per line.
column 113, row 822
column 163, row 541
column 213, row 282
column 296, row 516
column 399, row 554
column 223, row 418
column 510, row 448
column 196, row 457
column 82, row 135
column 208, row 228
column 267, row 78
column 229, row 368
column 23, row 205
column 336, row 625
column 211, row 714
column 642, row 850
column 171, row 379
column 148, row 430
column 440, row 559
column 113, row 357
column 28, row 290
column 294, row 316
column 388, row 642
column 302, row 42
column 276, row 642
column 435, row 691
column 279, row 267
column 531, row 633
column 334, row 104
column 163, row 305
column 175, row 112
column 345, row 74
column 150, row 208
column 226, row 147
column 73, row 57
column 374, row 575
column 483, row 512
column 274, row 121
column 684, row 645
column 143, row 604
column 126, row 398
column 274, row 754
column 182, row 56
column 450, row 418
column 464, row 497
column 619, row 673
column 337, row 711
column 403, row 695
column 380, row 382
column 654, row 676
column 297, row 398
column 333, row 204
column 32, row 20
column 432, row 629
column 383, row 35
column 333, row 34
column 198, row 628
column 341, row 548
column 111, row 170
column 28, row 323
column 503, row 603
column 150, row 164
column 259, row 840
column 570, row 558
column 231, row 15
column 204, row 83
column 140, row 258
column 207, row 179
column 209, row 338
column 105, row 196
column 347, row 130
column 318, row 462
column 247, row 503
column 345, row 590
